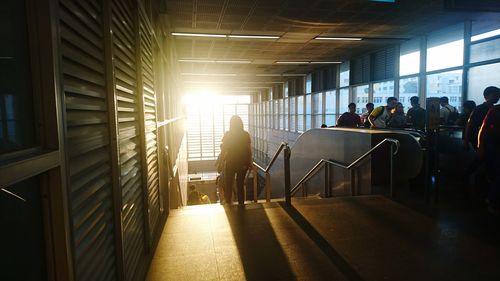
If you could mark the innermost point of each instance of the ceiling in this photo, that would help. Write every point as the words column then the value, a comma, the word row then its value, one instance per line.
column 297, row 22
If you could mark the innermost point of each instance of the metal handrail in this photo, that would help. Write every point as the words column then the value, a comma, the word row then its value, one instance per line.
column 282, row 146
column 348, row 167
column 266, row 170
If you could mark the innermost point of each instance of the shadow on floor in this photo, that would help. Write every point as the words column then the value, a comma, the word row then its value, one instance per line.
column 260, row 252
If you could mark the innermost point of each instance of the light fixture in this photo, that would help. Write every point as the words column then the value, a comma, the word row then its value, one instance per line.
column 234, row 61
column 292, row 62
column 338, row 38
column 268, row 75
column 254, row 36
column 199, row 35
column 207, row 74
column 293, row 74
column 325, row 62
column 215, row 61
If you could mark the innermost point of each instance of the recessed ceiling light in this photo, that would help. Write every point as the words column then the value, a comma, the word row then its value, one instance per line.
column 208, row 74
column 339, row 38
column 254, row 36
column 325, row 62
column 292, row 62
column 233, row 61
column 214, row 61
column 268, row 75
column 293, row 74
column 199, row 34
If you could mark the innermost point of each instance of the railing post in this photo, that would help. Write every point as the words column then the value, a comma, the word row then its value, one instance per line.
column 327, row 180
column 268, row 187
column 391, row 175
column 255, row 182
column 288, row 196
column 353, row 179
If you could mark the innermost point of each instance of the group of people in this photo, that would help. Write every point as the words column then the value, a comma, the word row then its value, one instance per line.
column 391, row 115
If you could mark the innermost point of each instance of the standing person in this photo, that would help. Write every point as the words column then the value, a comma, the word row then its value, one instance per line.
column 364, row 116
column 491, row 96
column 381, row 114
column 397, row 119
column 237, row 155
column 468, row 107
column 489, row 151
column 350, row 118
column 415, row 117
column 448, row 114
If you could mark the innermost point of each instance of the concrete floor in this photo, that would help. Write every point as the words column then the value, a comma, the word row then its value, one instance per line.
column 352, row 238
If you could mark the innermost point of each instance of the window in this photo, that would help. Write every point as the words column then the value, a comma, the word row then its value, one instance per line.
column 308, row 83
column 409, row 57
column 300, row 114
column 484, row 29
column 382, row 91
column 17, row 130
column 481, row 77
column 293, row 114
column 308, row 112
column 344, row 74
column 408, row 87
column 276, row 115
column 318, row 109
column 206, row 126
column 330, row 107
column 485, row 51
column 285, row 114
column 445, row 48
column 360, row 95
column 343, row 100
column 447, row 84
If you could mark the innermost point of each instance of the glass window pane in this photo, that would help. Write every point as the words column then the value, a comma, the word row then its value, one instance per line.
column 360, row 94
column 293, row 124
column 382, row 91
column 300, row 104
column 308, row 104
column 285, row 114
column 343, row 99
column 447, row 84
column 408, row 87
column 446, row 55
column 485, row 51
column 484, row 29
column 344, row 74
column 308, row 83
column 409, row 63
column 330, row 102
column 17, row 130
column 445, row 48
column 308, row 122
column 300, row 114
column 318, row 103
column 481, row 77
column 330, row 119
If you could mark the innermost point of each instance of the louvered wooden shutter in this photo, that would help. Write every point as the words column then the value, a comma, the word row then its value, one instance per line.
column 88, row 151
column 149, row 102
column 129, row 131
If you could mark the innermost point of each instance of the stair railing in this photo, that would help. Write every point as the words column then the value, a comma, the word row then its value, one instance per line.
column 283, row 146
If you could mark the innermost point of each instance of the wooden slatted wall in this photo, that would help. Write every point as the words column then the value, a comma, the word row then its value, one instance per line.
column 87, row 134
column 149, row 102
column 129, row 131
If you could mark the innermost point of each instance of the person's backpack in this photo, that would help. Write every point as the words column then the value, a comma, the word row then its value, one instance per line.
column 452, row 116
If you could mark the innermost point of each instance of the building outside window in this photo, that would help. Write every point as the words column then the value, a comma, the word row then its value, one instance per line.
column 447, row 84
column 330, row 108
column 382, row 91
column 317, row 110
column 360, row 94
column 408, row 87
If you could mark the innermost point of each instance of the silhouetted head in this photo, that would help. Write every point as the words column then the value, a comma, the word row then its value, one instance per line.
column 491, row 94
column 414, row 101
column 369, row 107
column 324, row 126
column 469, row 106
column 391, row 102
column 400, row 108
column 443, row 101
column 352, row 107
column 235, row 124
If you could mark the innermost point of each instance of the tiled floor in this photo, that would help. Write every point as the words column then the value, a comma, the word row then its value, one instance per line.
column 352, row 238
column 258, row 242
